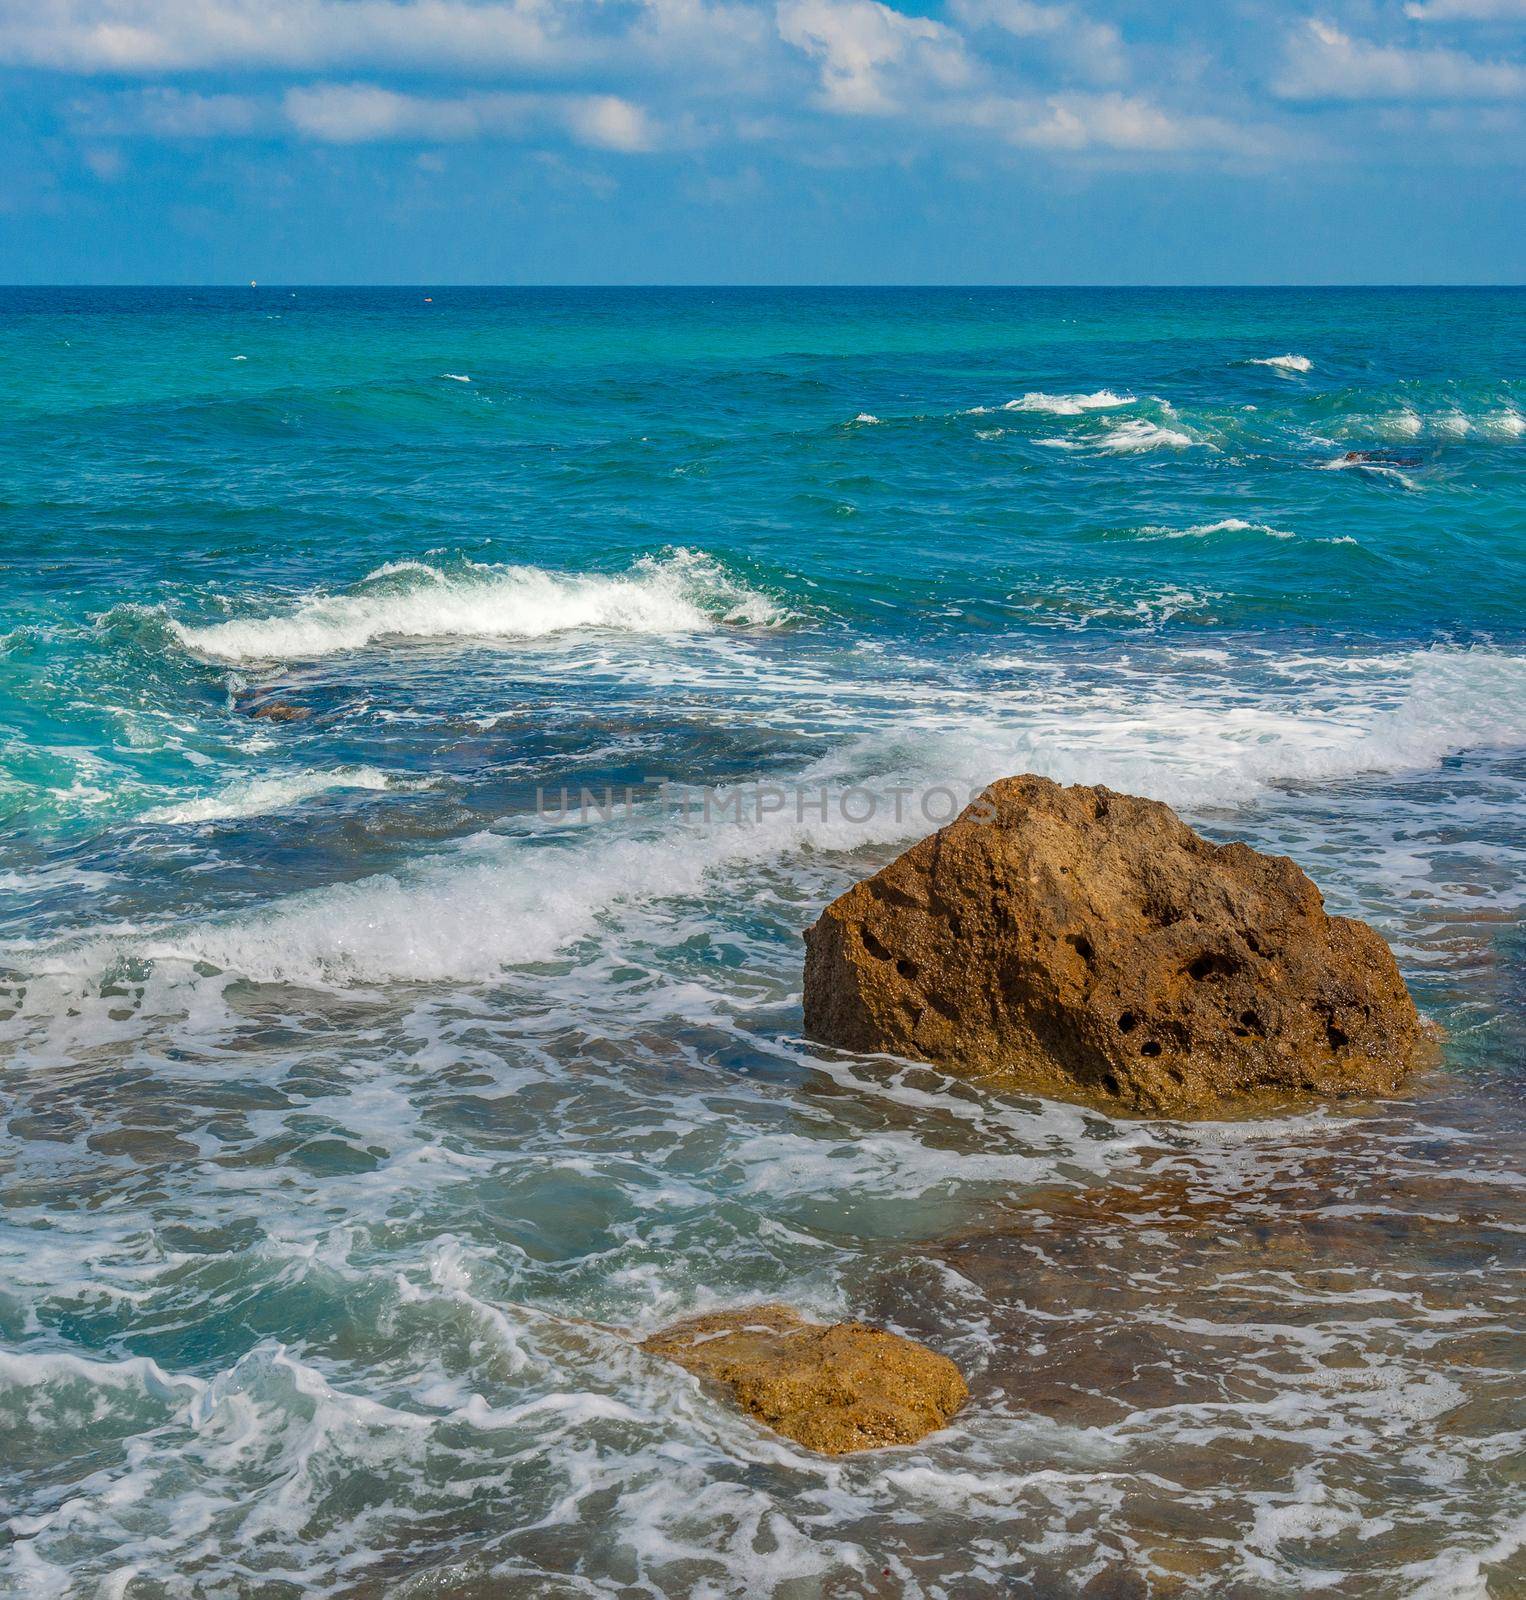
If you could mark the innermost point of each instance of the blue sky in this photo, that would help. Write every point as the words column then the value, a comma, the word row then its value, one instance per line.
column 757, row 141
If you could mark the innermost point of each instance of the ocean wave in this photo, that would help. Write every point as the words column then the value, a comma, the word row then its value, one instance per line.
column 499, row 901
column 1375, row 469
column 1136, row 434
column 1203, row 530
column 1505, row 423
column 680, row 592
column 1069, row 405
column 253, row 797
column 1288, row 363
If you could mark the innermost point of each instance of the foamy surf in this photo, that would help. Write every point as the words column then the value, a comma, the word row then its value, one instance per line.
column 1206, row 530
column 253, row 797
column 1069, row 405
column 1373, row 469
column 1287, row 363
column 1137, row 435
column 680, row 592
column 504, row 900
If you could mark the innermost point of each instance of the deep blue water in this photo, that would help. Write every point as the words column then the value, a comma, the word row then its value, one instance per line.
column 354, row 1104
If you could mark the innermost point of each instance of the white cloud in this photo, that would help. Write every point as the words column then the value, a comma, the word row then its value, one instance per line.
column 1094, row 47
column 1467, row 11
column 466, row 36
column 1326, row 64
column 368, row 113
column 583, row 72
column 106, row 163
column 606, row 122
column 364, row 113
column 168, row 113
column 1109, row 122
column 873, row 58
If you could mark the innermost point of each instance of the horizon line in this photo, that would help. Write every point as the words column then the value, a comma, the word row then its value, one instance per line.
column 441, row 284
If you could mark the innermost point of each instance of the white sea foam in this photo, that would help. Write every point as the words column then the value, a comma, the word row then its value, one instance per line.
column 1203, row 530
column 1288, row 363
column 1506, row 423
column 456, row 377
column 253, row 797
column 1069, row 405
column 508, row 899
column 681, row 592
column 866, row 417
column 1376, row 469
column 1136, row 434
column 1401, row 425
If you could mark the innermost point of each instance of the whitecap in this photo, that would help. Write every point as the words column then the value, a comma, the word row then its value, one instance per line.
column 1069, row 405
column 1288, row 363
column 505, row 899
column 1136, row 434
column 456, row 377
column 1203, row 530
column 1377, row 469
column 1401, row 425
column 680, row 592
column 253, row 797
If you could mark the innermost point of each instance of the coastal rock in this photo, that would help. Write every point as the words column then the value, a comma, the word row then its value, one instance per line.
column 1077, row 940
column 280, row 711
column 831, row 1388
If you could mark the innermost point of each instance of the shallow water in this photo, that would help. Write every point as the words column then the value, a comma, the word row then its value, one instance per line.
column 360, row 1110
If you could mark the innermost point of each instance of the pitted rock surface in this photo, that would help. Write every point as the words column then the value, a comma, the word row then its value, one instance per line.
column 1082, row 941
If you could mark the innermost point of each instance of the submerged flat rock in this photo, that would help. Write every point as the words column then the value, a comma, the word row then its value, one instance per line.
column 1081, row 940
column 833, row 1388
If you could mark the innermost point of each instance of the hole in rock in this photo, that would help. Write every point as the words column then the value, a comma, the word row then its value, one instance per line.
column 1338, row 1037
column 907, row 969
column 1110, row 1083
column 1127, row 1022
column 873, row 946
column 1081, row 945
column 1150, row 1047
column 1209, row 965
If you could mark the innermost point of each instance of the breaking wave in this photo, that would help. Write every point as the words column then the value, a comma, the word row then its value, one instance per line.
column 1069, row 405
column 254, row 797
column 505, row 900
column 1289, row 363
column 680, row 592
column 1136, row 434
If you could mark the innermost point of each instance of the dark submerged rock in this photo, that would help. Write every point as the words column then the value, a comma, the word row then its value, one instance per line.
column 279, row 711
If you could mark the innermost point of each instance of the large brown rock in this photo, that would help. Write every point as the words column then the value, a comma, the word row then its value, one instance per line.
column 1084, row 941
column 834, row 1389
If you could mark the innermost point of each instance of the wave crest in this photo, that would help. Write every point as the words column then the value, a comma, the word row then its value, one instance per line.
column 682, row 591
column 1069, row 405
column 1288, row 363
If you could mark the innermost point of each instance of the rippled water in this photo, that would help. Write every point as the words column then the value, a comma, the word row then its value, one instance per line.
column 360, row 1111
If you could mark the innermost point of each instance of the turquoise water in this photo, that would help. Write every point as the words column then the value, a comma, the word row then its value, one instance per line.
column 360, row 1105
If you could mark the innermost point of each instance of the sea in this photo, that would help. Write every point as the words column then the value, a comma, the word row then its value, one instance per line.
column 429, row 718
